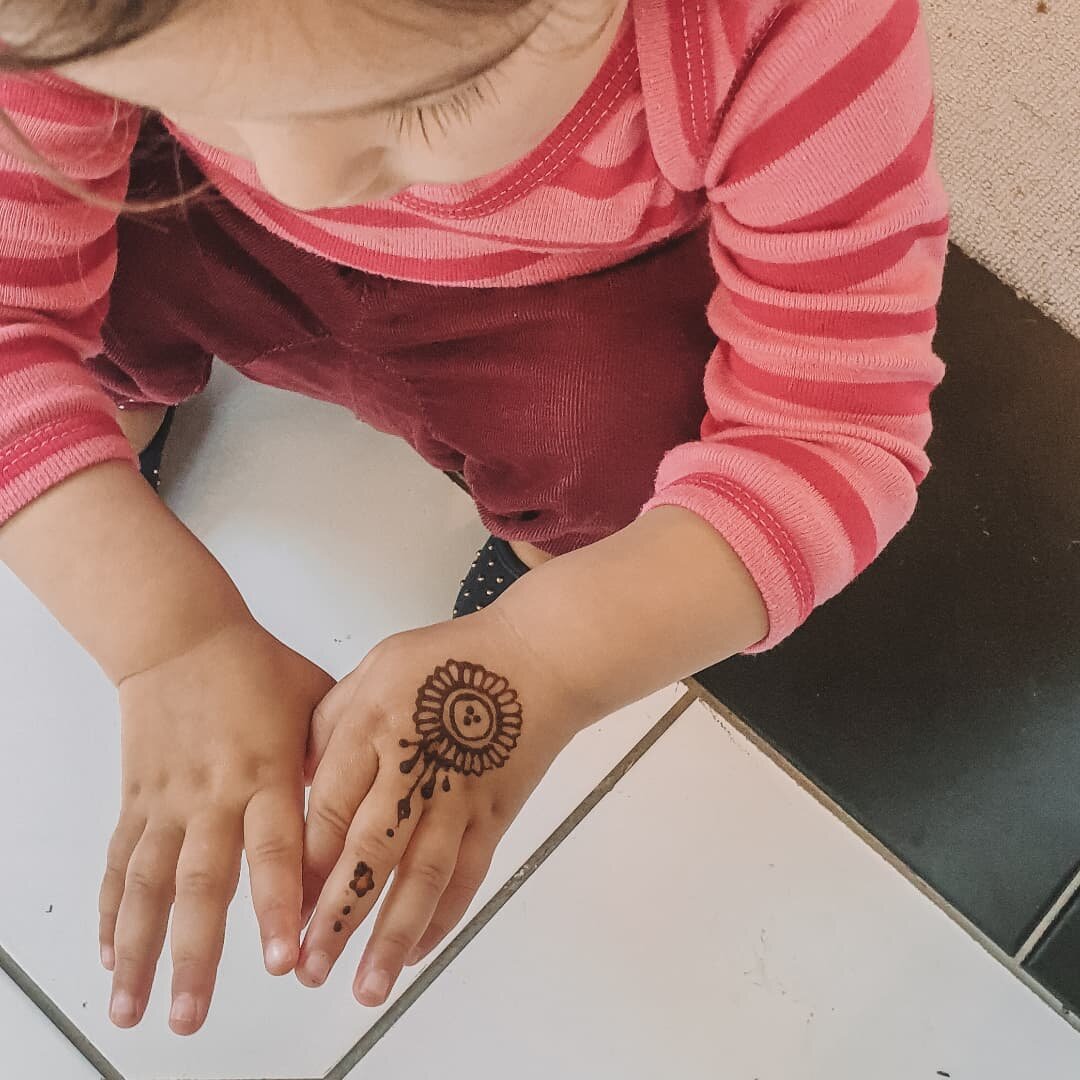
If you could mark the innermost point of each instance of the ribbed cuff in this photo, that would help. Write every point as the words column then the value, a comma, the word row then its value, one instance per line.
column 760, row 541
column 49, row 454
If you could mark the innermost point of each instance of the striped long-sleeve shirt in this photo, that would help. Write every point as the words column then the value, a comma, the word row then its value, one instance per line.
column 802, row 130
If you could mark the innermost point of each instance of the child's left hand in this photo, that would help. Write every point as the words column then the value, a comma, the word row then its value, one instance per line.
column 421, row 759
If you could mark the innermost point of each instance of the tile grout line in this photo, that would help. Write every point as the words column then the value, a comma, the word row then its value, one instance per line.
column 1010, row 963
column 57, row 1017
column 1044, row 924
column 410, row 996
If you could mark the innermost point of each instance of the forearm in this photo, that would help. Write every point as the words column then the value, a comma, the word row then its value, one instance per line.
column 125, row 577
column 645, row 607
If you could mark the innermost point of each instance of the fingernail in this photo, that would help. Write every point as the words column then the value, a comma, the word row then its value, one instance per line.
column 185, row 1010
column 375, row 986
column 122, row 1008
column 413, row 958
column 317, row 967
column 108, row 957
column 278, row 956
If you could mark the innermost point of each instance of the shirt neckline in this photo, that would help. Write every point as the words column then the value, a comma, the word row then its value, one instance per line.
column 488, row 194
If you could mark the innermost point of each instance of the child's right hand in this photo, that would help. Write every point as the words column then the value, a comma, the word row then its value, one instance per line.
column 213, row 749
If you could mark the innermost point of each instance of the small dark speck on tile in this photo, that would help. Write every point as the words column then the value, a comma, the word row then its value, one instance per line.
column 1042, row 8
column 48, row 910
column 941, row 1072
column 84, row 1004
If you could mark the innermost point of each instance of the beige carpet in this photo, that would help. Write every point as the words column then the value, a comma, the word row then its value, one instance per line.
column 1007, row 79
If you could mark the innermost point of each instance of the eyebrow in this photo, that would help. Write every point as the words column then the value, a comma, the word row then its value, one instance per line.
column 455, row 79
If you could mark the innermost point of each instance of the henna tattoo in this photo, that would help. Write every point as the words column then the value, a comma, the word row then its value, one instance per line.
column 467, row 719
column 363, row 881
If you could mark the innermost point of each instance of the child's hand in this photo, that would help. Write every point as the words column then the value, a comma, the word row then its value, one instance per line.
column 213, row 755
column 422, row 757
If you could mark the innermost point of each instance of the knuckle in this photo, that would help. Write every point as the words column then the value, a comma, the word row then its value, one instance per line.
column 260, row 769
column 330, row 817
column 376, row 848
column 143, row 881
column 198, row 883
column 115, row 870
column 273, row 849
column 428, row 873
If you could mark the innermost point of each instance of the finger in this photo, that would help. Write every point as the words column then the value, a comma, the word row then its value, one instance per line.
column 206, row 878
column 324, row 723
column 419, row 882
column 127, row 834
column 273, row 839
column 343, row 780
column 149, row 886
column 373, row 847
column 473, row 863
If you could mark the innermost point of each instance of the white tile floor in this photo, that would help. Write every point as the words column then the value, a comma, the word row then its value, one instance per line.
column 707, row 919
column 338, row 536
column 710, row 919
column 30, row 1046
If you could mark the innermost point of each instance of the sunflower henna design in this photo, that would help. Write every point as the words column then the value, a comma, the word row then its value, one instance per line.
column 468, row 719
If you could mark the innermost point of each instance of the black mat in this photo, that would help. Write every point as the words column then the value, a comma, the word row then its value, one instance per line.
column 938, row 698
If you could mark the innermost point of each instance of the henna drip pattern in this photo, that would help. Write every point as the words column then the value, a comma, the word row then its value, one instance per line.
column 468, row 720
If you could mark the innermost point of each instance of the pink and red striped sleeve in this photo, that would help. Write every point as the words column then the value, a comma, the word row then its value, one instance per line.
column 829, row 236
column 57, row 261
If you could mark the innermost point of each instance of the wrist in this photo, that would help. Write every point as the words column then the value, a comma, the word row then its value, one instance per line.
column 639, row 610
column 123, row 575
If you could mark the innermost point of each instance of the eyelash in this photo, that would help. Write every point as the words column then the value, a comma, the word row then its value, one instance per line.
column 459, row 105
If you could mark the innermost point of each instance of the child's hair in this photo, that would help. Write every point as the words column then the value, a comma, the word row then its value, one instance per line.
column 72, row 30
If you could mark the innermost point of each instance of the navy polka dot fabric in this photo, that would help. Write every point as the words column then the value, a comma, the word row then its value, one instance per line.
column 493, row 571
